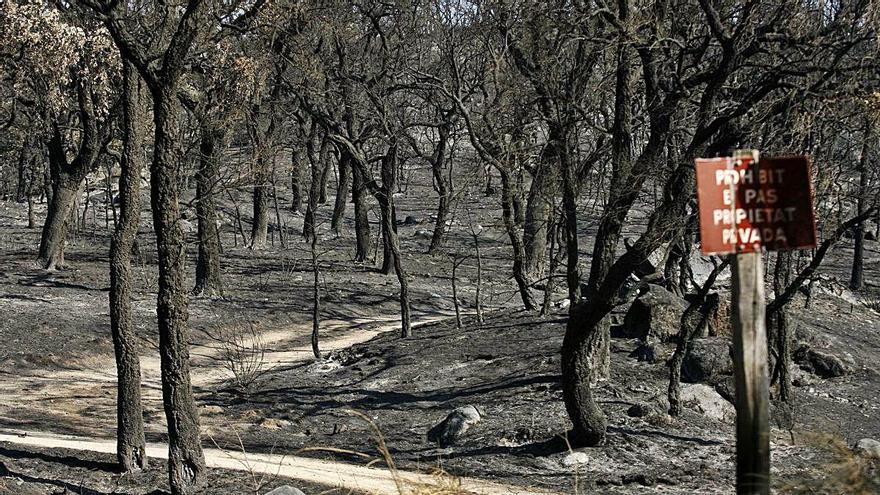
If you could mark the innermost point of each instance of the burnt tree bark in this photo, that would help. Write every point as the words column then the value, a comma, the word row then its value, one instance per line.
column 857, row 275
column 260, row 225
column 539, row 207
column 186, row 461
column 779, row 330
column 442, row 185
column 162, row 73
column 384, row 196
column 295, row 180
column 318, row 165
column 623, row 189
column 130, row 442
column 208, row 280
column 361, row 220
column 342, row 186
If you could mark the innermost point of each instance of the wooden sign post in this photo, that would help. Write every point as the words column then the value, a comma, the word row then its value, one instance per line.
column 746, row 204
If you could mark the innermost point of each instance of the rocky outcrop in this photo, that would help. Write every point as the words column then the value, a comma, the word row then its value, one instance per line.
column 454, row 426
column 706, row 401
column 708, row 361
column 654, row 315
column 819, row 363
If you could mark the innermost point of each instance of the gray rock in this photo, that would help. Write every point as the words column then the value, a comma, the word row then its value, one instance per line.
column 654, row 315
column 456, row 424
column 640, row 409
column 186, row 226
column 716, row 311
column 708, row 361
column 819, row 363
column 575, row 459
column 706, row 401
column 645, row 352
column 655, row 406
column 285, row 490
column 726, row 387
column 411, row 220
column 868, row 447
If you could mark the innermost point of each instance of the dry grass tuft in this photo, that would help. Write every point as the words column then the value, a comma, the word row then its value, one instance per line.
column 845, row 472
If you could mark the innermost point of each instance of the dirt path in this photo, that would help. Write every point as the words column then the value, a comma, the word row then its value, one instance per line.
column 64, row 392
column 336, row 474
column 87, row 387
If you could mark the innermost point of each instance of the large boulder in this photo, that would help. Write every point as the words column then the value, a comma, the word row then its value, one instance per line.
column 869, row 448
column 716, row 311
column 654, row 315
column 285, row 490
column 819, row 363
column 708, row 361
column 706, row 401
column 454, row 426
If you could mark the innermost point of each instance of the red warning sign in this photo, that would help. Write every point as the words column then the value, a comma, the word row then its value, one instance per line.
column 745, row 205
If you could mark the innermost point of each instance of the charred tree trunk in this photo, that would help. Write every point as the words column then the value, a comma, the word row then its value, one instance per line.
column 389, row 225
column 444, row 189
column 260, row 225
column 325, row 174
column 539, row 207
column 24, row 172
column 779, row 328
column 516, row 242
column 342, row 186
column 64, row 192
column 857, row 277
column 318, row 165
column 623, row 190
column 569, row 206
column 186, row 461
column 384, row 196
column 208, row 281
column 361, row 220
column 130, row 442
column 687, row 331
column 316, row 296
column 295, row 180
column 66, row 178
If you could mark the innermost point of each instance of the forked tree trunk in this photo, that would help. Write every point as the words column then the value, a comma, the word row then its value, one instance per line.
column 569, row 207
column 389, row 182
column 208, row 281
column 66, row 178
column 516, row 242
column 361, row 220
column 623, row 189
column 386, row 203
column 130, row 443
column 186, row 461
column 438, row 163
column 385, row 199
column 342, row 186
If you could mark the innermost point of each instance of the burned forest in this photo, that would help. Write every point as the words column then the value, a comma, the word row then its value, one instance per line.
column 439, row 247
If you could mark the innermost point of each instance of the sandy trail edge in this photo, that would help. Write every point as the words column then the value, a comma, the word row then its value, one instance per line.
column 325, row 472
column 332, row 473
